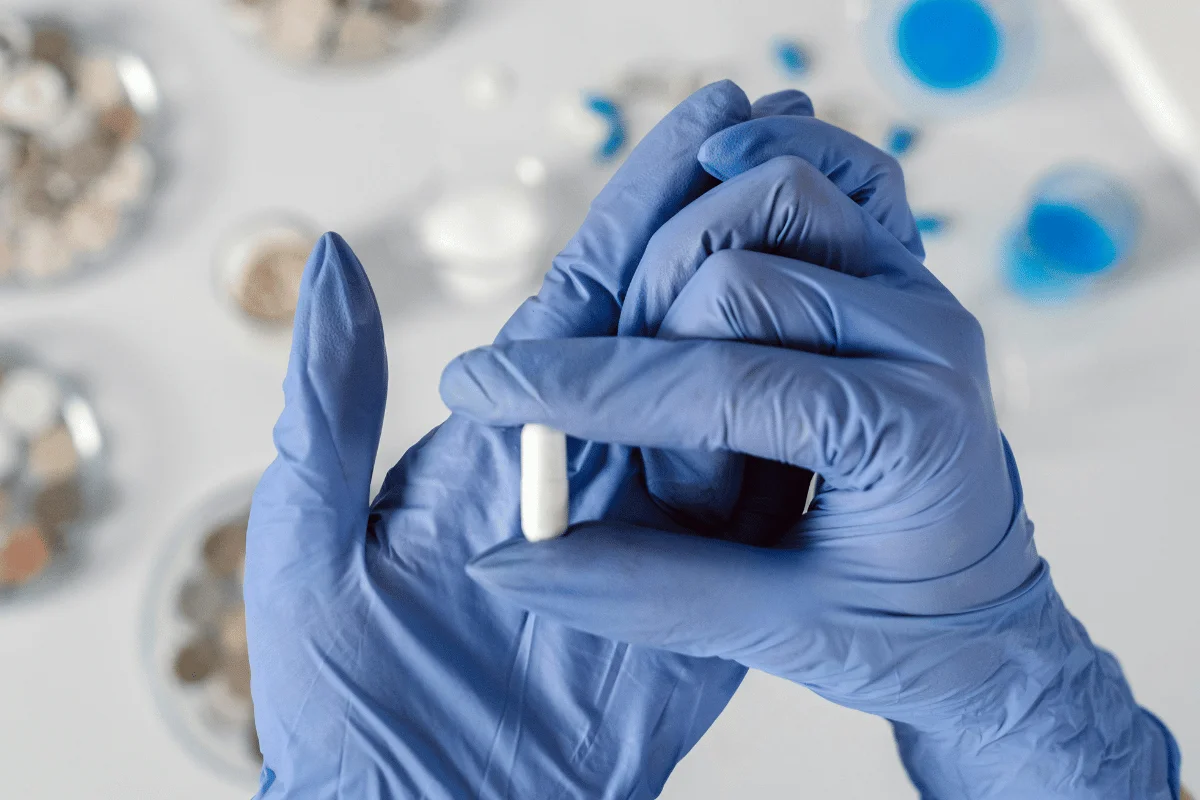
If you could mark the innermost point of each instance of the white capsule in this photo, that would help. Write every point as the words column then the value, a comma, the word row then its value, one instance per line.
column 544, row 499
column 812, row 492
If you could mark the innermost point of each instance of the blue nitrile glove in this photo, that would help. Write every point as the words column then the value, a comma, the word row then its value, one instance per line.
column 913, row 589
column 379, row 668
column 724, row 494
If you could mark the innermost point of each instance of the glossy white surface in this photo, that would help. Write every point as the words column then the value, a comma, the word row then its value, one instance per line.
column 545, row 511
column 1103, row 427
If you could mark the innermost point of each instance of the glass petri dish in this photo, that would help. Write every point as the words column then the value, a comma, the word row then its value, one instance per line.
column 53, row 475
column 946, row 57
column 78, row 149
column 259, row 267
column 482, row 233
column 1080, row 223
column 338, row 32
column 194, row 636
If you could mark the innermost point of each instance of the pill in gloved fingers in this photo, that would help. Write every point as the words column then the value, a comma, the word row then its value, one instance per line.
column 812, row 492
column 544, row 499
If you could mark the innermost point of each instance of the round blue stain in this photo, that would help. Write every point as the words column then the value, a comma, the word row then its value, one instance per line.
column 900, row 139
column 791, row 57
column 608, row 109
column 932, row 224
column 1070, row 239
column 948, row 44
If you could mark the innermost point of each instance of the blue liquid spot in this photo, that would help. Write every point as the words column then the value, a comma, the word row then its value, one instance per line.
column 611, row 112
column 948, row 44
column 900, row 139
column 1070, row 239
column 932, row 224
column 791, row 58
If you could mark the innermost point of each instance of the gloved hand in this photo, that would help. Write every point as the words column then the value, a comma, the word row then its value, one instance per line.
column 379, row 668
column 913, row 589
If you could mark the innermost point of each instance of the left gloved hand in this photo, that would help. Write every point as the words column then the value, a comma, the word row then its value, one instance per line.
column 379, row 668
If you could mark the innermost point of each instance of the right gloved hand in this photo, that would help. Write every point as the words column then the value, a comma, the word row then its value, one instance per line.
column 913, row 589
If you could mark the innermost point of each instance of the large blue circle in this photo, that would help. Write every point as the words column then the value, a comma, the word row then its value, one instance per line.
column 948, row 44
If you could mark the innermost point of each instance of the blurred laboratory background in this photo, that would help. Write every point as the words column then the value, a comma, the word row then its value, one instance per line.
column 165, row 168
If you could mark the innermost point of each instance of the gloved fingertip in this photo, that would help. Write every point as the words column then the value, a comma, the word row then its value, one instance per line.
column 787, row 103
column 328, row 254
column 742, row 147
column 335, row 288
column 713, row 161
column 339, row 250
column 738, row 148
column 723, row 154
column 727, row 94
column 464, row 385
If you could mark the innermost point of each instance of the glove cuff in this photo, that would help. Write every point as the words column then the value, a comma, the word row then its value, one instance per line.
column 1055, row 719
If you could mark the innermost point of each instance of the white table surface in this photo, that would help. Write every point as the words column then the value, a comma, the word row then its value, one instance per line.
column 1105, row 434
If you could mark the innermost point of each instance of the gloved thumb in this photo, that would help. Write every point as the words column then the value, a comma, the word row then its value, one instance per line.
column 310, row 508
column 691, row 595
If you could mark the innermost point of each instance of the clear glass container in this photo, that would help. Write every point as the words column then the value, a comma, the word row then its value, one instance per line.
column 339, row 32
column 194, row 637
column 1080, row 223
column 483, row 231
column 259, row 267
column 53, row 474
column 79, row 149
column 942, row 57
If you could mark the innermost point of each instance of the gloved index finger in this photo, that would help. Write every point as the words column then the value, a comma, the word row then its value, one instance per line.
column 581, row 295
column 310, row 508
column 866, row 174
column 789, row 102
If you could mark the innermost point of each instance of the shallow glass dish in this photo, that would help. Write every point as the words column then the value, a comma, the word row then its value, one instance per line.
column 338, row 32
column 194, row 636
column 53, row 474
column 1081, row 223
column 259, row 266
column 950, row 57
column 79, row 154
